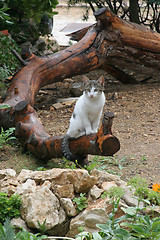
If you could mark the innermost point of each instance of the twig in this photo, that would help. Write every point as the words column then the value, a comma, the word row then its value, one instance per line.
column 24, row 63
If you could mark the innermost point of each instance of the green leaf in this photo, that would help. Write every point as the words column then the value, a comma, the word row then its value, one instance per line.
column 130, row 210
column 156, row 226
column 138, row 228
column 3, row 106
column 122, row 232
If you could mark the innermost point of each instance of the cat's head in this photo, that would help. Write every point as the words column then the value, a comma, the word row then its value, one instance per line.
column 93, row 88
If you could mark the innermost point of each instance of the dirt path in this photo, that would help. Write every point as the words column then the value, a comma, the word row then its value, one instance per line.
column 136, row 125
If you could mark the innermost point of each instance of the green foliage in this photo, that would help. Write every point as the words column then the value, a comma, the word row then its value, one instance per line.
column 81, row 202
column 143, row 192
column 26, row 16
column 133, row 224
column 25, row 235
column 7, row 233
column 114, row 193
column 5, row 136
column 4, row 106
column 9, row 207
column 8, row 62
column 102, row 163
column 4, row 17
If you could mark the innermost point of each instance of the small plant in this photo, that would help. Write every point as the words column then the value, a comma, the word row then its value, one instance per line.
column 5, row 136
column 9, row 207
column 143, row 192
column 81, row 202
column 42, row 227
column 114, row 161
column 7, row 233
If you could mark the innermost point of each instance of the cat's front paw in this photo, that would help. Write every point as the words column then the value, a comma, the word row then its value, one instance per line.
column 88, row 132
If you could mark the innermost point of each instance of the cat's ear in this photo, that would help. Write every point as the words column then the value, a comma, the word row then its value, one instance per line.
column 85, row 80
column 101, row 80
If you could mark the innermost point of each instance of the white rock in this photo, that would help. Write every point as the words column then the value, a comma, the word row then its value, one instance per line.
column 7, row 173
column 68, row 206
column 95, row 213
column 64, row 191
column 28, row 187
column 106, row 177
column 95, row 192
column 19, row 223
column 107, row 185
column 42, row 205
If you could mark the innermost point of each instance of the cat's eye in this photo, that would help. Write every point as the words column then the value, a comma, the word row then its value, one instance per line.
column 95, row 90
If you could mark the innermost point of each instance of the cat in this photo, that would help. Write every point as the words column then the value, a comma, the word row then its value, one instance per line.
column 86, row 115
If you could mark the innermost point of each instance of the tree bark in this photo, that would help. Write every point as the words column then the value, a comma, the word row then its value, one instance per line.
column 111, row 44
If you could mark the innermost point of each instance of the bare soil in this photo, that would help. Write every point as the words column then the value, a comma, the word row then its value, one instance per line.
column 136, row 125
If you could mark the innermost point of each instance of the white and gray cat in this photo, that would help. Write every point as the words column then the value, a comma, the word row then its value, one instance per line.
column 86, row 115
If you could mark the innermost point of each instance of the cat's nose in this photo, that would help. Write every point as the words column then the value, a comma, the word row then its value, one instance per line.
column 91, row 96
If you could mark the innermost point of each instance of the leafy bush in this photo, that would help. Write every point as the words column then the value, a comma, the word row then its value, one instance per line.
column 9, row 207
column 8, row 62
column 26, row 17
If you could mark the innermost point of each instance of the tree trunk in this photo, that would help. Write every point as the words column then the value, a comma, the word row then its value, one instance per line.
column 112, row 44
column 134, row 11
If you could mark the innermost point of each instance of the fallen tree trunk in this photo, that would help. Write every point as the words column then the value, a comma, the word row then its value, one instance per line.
column 110, row 44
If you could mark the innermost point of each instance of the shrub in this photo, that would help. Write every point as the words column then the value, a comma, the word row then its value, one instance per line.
column 26, row 17
column 8, row 62
column 9, row 207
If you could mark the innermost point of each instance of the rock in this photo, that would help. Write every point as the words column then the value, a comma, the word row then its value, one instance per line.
column 95, row 192
column 108, row 208
column 128, row 197
column 58, row 106
column 28, row 187
column 81, row 180
column 68, row 206
column 9, row 190
column 77, row 89
column 8, row 183
column 107, row 185
column 64, row 191
column 6, row 173
column 19, row 223
column 153, row 211
column 40, row 45
column 65, row 100
column 95, row 213
column 42, row 205
column 106, row 177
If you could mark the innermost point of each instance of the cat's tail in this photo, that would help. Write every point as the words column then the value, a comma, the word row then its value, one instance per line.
column 65, row 148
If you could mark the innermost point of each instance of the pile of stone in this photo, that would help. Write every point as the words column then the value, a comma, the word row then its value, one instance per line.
column 48, row 196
